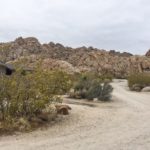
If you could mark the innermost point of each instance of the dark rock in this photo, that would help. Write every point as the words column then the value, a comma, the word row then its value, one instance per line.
column 148, row 53
column 6, row 69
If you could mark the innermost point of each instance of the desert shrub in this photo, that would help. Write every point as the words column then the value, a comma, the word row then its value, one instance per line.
column 25, row 95
column 106, row 77
column 105, row 93
column 94, row 90
column 141, row 80
column 100, row 91
column 91, row 86
column 61, row 82
column 4, row 52
column 83, row 83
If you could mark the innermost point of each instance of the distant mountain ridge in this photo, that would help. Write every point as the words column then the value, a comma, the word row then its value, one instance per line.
column 73, row 59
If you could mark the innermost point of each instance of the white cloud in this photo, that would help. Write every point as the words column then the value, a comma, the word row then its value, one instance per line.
column 108, row 24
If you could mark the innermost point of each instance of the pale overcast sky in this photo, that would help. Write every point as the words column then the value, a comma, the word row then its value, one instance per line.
column 109, row 24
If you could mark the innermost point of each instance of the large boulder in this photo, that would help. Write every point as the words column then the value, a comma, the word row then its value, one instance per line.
column 53, row 64
column 19, row 47
column 63, row 109
column 146, row 89
column 136, row 87
column 148, row 53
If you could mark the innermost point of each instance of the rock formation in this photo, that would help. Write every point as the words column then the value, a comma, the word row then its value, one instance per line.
column 124, row 54
column 148, row 53
column 51, row 64
column 57, row 56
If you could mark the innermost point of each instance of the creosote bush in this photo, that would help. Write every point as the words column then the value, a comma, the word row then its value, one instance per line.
column 141, row 79
column 91, row 86
column 23, row 95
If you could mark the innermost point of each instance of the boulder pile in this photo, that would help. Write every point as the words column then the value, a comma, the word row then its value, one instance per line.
column 71, row 60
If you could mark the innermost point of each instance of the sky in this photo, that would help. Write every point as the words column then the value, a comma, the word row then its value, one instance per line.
column 122, row 25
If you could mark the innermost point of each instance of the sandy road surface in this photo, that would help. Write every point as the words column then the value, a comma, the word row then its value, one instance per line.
column 123, row 124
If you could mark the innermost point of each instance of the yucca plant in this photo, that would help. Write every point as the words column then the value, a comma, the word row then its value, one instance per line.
column 105, row 93
column 94, row 90
column 91, row 87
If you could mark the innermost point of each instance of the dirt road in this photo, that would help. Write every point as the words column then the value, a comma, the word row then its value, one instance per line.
column 123, row 124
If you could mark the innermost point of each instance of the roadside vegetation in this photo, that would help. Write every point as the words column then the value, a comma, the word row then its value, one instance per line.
column 30, row 98
column 26, row 98
column 137, row 82
column 4, row 52
column 91, row 86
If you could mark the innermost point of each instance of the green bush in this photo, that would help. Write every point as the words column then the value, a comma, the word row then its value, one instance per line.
column 141, row 79
column 106, row 77
column 105, row 93
column 4, row 52
column 94, row 90
column 25, row 95
column 91, row 86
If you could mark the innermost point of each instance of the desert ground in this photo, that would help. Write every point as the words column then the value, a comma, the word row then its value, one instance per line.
column 122, row 124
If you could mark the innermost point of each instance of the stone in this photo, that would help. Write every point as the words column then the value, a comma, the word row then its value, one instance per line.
column 53, row 64
column 124, row 54
column 136, row 87
column 146, row 89
column 74, row 60
column 63, row 109
column 148, row 53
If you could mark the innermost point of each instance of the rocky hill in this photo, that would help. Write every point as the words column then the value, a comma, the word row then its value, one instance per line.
column 57, row 56
column 148, row 53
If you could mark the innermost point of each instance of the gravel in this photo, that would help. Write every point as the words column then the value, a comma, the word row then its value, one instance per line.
column 122, row 124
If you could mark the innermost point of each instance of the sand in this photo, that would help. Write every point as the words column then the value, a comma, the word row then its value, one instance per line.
column 123, row 124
